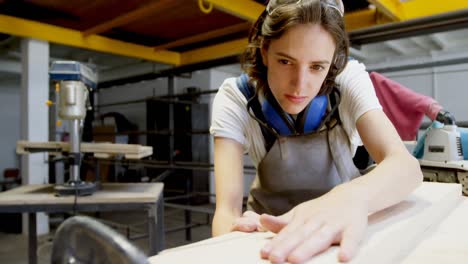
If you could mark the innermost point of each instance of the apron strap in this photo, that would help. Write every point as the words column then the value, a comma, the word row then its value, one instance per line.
column 341, row 153
column 249, row 92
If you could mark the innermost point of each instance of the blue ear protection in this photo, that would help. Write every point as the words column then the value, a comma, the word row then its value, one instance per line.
column 307, row 121
column 283, row 123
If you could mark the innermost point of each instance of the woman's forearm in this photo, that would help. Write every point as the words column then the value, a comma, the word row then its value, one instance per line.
column 397, row 174
column 389, row 183
column 229, row 184
column 222, row 222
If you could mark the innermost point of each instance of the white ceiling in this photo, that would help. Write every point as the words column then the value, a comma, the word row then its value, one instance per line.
column 427, row 45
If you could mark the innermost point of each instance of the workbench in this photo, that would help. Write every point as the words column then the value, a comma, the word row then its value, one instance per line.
column 428, row 227
column 110, row 197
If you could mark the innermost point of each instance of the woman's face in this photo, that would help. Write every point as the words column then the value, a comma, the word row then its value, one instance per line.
column 298, row 63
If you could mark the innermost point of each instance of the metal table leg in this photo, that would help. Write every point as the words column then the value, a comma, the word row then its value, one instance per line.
column 32, row 229
column 188, row 213
column 156, row 227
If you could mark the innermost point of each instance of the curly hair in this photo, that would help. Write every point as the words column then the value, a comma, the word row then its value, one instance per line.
column 275, row 21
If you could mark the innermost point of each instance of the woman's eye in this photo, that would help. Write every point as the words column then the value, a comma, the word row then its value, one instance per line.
column 317, row 67
column 283, row 61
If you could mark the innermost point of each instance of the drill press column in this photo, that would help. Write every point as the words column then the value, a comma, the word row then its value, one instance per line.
column 73, row 96
column 72, row 101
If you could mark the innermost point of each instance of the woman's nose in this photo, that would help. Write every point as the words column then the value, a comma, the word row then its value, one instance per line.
column 299, row 80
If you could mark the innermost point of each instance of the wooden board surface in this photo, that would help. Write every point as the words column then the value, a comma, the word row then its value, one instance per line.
column 447, row 242
column 130, row 151
column 391, row 235
column 111, row 193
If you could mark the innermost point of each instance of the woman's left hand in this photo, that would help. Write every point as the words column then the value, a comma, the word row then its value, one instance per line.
column 339, row 217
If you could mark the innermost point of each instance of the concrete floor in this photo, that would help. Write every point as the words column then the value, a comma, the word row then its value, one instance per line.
column 14, row 250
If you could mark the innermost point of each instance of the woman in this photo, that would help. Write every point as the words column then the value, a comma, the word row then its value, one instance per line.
column 301, row 133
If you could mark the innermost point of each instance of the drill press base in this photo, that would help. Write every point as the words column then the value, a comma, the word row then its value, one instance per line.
column 79, row 188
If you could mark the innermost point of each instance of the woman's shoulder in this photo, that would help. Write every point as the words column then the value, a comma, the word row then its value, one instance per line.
column 229, row 91
column 229, row 85
column 354, row 70
column 230, row 118
column 230, row 102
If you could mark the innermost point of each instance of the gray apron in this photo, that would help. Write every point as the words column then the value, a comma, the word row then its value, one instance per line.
column 300, row 168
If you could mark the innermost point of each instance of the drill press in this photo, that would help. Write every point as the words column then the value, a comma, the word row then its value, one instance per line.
column 74, row 81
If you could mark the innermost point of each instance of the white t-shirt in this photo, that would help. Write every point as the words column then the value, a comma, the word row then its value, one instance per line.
column 230, row 118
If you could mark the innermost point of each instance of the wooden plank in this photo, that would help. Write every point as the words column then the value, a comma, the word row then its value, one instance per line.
column 447, row 243
column 395, row 232
column 102, row 155
column 391, row 233
column 131, row 151
column 111, row 193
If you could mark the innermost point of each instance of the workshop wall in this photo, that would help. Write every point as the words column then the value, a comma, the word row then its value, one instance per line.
column 10, row 120
column 134, row 112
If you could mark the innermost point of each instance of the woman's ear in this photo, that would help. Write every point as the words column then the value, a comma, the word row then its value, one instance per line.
column 263, row 51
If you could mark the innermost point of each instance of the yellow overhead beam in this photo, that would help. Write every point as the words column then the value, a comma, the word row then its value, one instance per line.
column 405, row 10
column 364, row 18
column 128, row 17
column 245, row 9
column 360, row 19
column 218, row 51
column 31, row 29
column 424, row 8
column 391, row 8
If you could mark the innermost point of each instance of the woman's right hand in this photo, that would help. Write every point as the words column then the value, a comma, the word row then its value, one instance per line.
column 248, row 222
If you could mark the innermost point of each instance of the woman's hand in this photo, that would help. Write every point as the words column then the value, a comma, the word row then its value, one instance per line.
column 248, row 222
column 339, row 217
